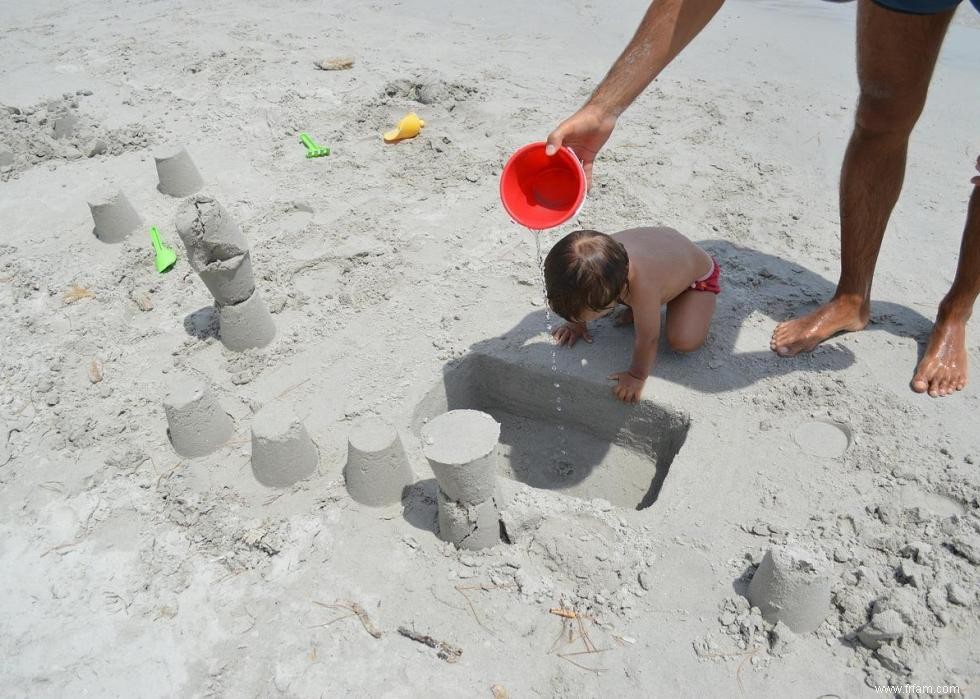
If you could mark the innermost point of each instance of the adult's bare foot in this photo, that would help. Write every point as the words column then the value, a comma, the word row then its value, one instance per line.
column 806, row 332
column 942, row 370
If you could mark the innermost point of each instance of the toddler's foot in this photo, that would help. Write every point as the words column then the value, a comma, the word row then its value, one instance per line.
column 942, row 370
column 806, row 332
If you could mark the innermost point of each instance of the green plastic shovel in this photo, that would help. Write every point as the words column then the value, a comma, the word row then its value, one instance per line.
column 166, row 257
column 312, row 149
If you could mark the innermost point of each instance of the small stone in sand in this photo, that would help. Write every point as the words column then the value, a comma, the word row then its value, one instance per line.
column 644, row 579
column 335, row 63
column 883, row 627
column 142, row 300
column 781, row 639
column 957, row 595
column 95, row 371
column 95, row 147
column 968, row 546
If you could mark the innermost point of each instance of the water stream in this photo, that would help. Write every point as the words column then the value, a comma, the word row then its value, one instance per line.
column 562, row 464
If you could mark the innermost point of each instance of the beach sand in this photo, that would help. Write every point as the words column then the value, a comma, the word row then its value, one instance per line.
column 392, row 271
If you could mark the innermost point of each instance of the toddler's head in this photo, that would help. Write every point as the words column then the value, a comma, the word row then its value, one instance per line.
column 584, row 274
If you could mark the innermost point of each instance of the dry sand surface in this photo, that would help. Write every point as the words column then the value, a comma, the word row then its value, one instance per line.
column 398, row 288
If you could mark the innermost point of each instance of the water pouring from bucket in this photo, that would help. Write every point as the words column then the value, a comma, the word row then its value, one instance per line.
column 541, row 191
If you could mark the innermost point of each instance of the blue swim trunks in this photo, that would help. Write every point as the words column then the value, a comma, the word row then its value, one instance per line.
column 923, row 7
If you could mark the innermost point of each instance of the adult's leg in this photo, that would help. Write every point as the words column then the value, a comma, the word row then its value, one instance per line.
column 942, row 369
column 688, row 318
column 896, row 53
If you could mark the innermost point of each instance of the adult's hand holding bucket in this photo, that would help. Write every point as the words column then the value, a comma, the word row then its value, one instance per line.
column 542, row 191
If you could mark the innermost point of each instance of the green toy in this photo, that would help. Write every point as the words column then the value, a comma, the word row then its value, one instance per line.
column 166, row 257
column 312, row 149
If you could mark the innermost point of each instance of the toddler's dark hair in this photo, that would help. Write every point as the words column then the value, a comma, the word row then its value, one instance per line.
column 584, row 270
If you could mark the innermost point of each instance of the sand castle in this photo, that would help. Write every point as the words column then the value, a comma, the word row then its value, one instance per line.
column 792, row 585
column 115, row 218
column 282, row 451
column 377, row 469
column 176, row 171
column 197, row 425
column 217, row 251
column 461, row 448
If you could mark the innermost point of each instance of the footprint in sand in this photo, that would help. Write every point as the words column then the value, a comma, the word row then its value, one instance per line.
column 822, row 438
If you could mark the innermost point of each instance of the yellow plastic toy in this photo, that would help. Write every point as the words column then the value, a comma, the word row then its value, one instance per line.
column 408, row 127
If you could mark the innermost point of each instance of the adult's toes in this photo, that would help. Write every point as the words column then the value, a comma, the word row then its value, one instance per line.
column 919, row 384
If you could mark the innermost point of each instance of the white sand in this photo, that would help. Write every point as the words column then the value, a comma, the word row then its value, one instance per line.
column 128, row 571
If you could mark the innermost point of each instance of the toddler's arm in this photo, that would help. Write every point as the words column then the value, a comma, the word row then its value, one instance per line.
column 629, row 383
column 647, row 326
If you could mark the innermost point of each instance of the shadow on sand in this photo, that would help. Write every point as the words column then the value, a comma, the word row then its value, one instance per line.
column 757, row 288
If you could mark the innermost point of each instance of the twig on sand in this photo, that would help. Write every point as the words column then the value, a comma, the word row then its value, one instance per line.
column 445, row 651
column 572, row 620
column 250, row 626
column 745, row 655
column 272, row 498
column 335, row 64
column 58, row 549
column 228, row 576
column 461, row 589
column 738, row 672
column 567, row 613
column 728, row 654
column 169, row 471
column 589, row 645
column 358, row 611
column 584, row 652
column 623, row 640
column 596, row 670
column 365, row 620
column 76, row 293
column 332, row 621
column 294, row 386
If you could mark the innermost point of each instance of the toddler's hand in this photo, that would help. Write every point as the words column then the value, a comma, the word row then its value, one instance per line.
column 625, row 318
column 628, row 388
column 569, row 333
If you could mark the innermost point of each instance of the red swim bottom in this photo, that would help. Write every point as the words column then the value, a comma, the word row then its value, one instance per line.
column 711, row 282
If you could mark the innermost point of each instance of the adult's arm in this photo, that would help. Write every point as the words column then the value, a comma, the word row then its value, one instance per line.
column 667, row 27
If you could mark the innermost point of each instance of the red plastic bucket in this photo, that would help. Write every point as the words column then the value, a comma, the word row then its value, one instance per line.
column 541, row 191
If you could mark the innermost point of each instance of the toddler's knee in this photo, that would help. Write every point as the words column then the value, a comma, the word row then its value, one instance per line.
column 679, row 342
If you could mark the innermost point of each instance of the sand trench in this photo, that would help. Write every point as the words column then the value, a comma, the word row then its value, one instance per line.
column 620, row 454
